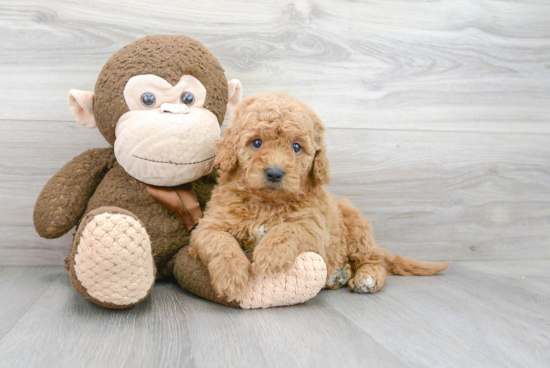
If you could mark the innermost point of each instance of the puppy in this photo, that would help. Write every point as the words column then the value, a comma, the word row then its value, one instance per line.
column 271, row 201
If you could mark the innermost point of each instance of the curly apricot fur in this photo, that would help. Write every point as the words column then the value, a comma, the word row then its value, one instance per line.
column 278, row 221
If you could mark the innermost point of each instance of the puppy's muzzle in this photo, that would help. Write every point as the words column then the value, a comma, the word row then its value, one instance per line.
column 274, row 174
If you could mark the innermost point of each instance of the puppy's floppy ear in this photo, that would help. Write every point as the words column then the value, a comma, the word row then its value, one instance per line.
column 320, row 173
column 226, row 159
column 227, row 146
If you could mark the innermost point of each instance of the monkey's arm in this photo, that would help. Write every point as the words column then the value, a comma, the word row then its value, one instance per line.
column 64, row 198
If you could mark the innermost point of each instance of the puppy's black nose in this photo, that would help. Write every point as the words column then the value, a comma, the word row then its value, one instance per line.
column 274, row 174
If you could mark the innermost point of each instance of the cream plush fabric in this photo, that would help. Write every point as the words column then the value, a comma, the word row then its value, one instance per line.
column 166, row 149
column 297, row 285
column 114, row 260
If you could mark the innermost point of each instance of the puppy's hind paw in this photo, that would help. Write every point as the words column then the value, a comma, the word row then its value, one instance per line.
column 365, row 284
column 339, row 278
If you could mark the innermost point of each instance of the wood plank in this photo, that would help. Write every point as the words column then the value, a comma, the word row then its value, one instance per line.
column 490, row 313
column 482, row 313
column 448, row 195
column 21, row 288
column 465, row 66
column 173, row 328
column 62, row 329
column 21, row 245
column 311, row 334
column 429, row 194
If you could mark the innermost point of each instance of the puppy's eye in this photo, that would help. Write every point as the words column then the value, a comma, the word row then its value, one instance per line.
column 296, row 147
column 256, row 143
column 187, row 98
column 148, row 99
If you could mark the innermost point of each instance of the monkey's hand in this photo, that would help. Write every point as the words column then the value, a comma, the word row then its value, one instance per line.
column 64, row 198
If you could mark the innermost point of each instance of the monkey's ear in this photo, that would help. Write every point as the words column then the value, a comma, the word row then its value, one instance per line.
column 81, row 106
column 235, row 90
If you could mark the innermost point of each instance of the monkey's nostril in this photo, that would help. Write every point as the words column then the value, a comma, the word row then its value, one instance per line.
column 174, row 108
column 274, row 174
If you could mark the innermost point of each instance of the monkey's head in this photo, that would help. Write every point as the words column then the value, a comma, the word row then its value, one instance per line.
column 160, row 102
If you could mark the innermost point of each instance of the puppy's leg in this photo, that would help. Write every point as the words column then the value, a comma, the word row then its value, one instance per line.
column 367, row 261
column 339, row 277
column 368, row 278
column 219, row 251
column 278, row 249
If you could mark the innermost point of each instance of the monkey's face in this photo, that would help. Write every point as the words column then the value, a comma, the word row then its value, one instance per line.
column 168, row 137
column 160, row 102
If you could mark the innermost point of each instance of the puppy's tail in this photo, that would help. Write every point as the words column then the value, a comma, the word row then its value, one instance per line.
column 397, row 265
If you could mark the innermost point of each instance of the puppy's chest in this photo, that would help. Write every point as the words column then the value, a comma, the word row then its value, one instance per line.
column 249, row 232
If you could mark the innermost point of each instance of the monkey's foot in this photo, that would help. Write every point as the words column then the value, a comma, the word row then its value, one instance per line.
column 297, row 285
column 112, row 262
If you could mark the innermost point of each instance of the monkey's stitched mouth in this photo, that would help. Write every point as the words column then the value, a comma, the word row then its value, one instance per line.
column 175, row 163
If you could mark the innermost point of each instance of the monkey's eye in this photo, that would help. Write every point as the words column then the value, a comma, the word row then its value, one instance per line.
column 187, row 98
column 296, row 147
column 148, row 99
column 256, row 143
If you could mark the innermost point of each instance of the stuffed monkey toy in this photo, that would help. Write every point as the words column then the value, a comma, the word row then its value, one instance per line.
column 159, row 102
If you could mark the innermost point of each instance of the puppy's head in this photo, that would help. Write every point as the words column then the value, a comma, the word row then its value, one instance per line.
column 274, row 147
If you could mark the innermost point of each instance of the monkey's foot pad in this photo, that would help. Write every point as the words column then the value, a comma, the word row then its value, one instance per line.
column 114, row 261
column 297, row 285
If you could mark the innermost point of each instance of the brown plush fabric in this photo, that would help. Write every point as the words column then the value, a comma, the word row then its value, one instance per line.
column 194, row 277
column 63, row 200
column 167, row 233
column 169, row 57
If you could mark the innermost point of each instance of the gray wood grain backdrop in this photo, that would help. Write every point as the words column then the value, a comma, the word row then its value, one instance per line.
column 438, row 111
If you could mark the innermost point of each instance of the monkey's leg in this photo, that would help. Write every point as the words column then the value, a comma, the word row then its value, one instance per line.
column 111, row 263
column 298, row 284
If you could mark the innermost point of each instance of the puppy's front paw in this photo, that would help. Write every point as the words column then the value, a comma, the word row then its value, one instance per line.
column 272, row 262
column 231, row 276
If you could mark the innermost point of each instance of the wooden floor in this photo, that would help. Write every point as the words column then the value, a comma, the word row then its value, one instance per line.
column 475, row 314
